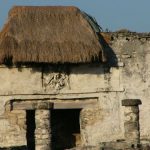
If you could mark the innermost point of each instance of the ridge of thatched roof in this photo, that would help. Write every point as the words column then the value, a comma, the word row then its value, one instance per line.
column 49, row 34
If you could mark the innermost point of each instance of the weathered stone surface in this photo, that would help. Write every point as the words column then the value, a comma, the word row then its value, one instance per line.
column 133, row 109
column 131, row 121
column 42, row 120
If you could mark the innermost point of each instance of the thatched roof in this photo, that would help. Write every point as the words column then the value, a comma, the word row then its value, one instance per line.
column 52, row 34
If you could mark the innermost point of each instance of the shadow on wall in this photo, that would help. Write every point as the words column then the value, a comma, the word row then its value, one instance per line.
column 112, row 60
column 15, row 148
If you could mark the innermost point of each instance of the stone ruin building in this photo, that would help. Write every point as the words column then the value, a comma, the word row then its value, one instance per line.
column 65, row 84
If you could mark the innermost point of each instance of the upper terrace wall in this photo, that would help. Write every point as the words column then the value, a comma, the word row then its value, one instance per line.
column 79, row 79
column 134, row 51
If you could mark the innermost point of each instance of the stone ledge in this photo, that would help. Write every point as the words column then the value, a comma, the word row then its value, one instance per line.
column 131, row 102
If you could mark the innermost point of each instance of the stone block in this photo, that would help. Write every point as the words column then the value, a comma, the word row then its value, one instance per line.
column 42, row 141
column 133, row 109
column 131, row 102
column 131, row 118
column 130, row 126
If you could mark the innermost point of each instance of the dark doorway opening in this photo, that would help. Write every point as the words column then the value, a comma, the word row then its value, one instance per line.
column 65, row 126
column 30, row 122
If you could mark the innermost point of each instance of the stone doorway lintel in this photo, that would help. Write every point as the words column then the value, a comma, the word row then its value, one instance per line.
column 30, row 104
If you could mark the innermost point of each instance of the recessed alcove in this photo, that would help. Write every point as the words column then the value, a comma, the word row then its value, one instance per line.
column 65, row 127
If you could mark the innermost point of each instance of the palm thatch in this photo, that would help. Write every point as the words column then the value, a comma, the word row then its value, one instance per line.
column 53, row 34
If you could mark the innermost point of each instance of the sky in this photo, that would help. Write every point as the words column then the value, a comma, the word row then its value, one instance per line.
column 110, row 14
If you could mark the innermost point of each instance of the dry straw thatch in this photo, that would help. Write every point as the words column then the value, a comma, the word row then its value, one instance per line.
column 52, row 34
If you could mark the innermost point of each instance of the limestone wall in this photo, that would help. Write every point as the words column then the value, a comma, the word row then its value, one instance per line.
column 133, row 51
column 126, row 75
column 13, row 129
column 79, row 79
